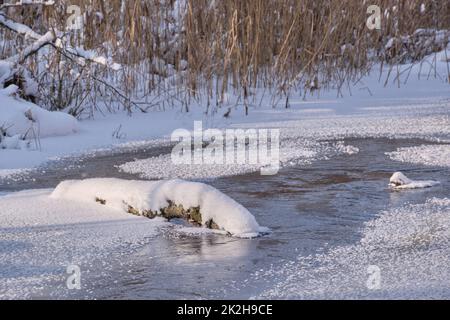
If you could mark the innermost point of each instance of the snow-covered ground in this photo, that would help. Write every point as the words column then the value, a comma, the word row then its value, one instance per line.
column 22, row 118
column 42, row 236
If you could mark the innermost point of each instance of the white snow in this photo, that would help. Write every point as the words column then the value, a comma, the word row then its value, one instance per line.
column 41, row 236
column 11, row 173
column 420, row 108
column 409, row 245
column 295, row 151
column 346, row 149
column 5, row 70
column 47, row 38
column 428, row 155
column 18, row 27
column 14, row 142
column 26, row 119
column 399, row 181
column 229, row 215
column 423, row 8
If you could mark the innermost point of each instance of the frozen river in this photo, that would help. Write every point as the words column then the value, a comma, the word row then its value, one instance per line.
column 311, row 209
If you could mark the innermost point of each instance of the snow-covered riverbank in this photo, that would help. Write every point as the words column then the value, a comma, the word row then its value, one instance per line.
column 420, row 107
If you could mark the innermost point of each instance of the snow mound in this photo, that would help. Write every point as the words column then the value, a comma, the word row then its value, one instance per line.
column 430, row 155
column 400, row 181
column 119, row 194
column 21, row 118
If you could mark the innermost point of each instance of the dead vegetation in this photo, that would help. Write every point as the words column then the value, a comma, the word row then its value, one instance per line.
column 173, row 52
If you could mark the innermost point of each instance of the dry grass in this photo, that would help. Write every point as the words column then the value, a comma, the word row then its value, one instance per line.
column 179, row 50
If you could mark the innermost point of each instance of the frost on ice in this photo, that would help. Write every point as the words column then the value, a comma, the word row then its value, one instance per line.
column 410, row 244
column 152, row 198
column 428, row 155
column 399, row 181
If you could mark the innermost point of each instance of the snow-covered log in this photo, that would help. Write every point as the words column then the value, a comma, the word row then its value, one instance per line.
column 159, row 198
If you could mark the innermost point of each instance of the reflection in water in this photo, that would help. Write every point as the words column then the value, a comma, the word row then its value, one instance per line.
column 191, row 249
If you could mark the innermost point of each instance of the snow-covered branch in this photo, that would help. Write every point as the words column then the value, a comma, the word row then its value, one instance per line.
column 88, row 55
column 84, row 55
column 19, row 28
column 20, row 3
column 46, row 39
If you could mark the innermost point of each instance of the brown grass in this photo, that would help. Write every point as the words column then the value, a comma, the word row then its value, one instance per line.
column 179, row 50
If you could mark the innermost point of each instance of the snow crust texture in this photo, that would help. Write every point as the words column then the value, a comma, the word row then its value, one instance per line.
column 428, row 155
column 40, row 237
column 408, row 247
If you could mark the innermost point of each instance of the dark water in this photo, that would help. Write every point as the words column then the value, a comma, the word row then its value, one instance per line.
column 308, row 209
column 98, row 165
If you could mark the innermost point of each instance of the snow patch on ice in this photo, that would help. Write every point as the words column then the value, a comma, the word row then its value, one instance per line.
column 41, row 236
column 410, row 245
column 346, row 149
column 12, row 173
column 429, row 155
column 293, row 152
column 162, row 167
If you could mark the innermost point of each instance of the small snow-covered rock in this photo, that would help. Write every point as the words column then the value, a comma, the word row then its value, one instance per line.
column 400, row 181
